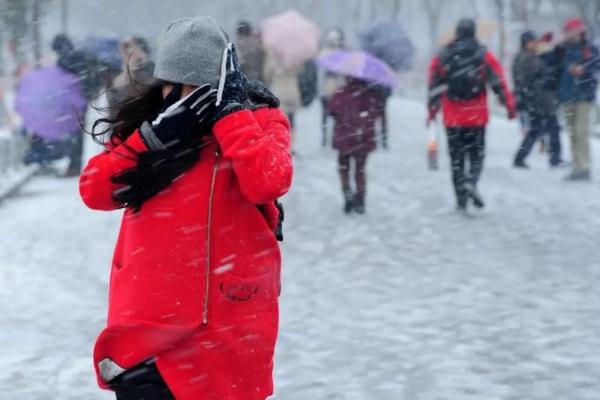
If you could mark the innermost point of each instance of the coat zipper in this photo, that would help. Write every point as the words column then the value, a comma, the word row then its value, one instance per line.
column 209, row 240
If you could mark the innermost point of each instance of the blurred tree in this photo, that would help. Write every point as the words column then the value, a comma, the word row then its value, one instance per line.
column 14, row 15
column 433, row 10
column 21, row 20
column 590, row 11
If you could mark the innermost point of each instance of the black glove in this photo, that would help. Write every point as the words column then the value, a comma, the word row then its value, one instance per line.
column 260, row 95
column 234, row 94
column 180, row 119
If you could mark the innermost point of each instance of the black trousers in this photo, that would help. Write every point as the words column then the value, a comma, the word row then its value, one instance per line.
column 467, row 152
column 360, row 175
column 539, row 126
column 324, row 118
column 141, row 383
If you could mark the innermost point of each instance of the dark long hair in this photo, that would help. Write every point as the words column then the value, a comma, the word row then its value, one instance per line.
column 155, row 170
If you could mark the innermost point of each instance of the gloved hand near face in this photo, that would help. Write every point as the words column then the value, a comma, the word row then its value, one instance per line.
column 179, row 118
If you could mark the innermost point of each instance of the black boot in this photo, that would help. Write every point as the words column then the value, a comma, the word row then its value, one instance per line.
column 520, row 164
column 473, row 193
column 359, row 206
column 349, row 201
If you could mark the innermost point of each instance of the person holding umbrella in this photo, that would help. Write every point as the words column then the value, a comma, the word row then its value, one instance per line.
column 458, row 77
column 197, row 161
column 289, row 41
column 356, row 107
column 50, row 101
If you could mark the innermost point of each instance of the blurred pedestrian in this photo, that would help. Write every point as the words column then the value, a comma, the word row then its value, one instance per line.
column 250, row 50
column 283, row 81
column 74, row 62
column 458, row 77
column 329, row 82
column 356, row 108
column 136, row 73
column 51, row 101
column 578, row 64
column 197, row 161
column 536, row 100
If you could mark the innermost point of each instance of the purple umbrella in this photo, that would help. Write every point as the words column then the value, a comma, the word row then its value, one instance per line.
column 50, row 102
column 360, row 65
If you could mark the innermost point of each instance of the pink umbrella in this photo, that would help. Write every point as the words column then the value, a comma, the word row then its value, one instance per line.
column 291, row 37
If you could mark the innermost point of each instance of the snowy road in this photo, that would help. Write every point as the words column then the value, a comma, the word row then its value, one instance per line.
column 410, row 302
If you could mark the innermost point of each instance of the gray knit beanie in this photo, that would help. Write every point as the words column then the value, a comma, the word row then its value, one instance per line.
column 191, row 52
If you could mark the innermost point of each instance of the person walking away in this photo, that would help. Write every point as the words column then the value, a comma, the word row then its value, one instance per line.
column 197, row 162
column 251, row 52
column 578, row 65
column 329, row 82
column 458, row 77
column 355, row 108
column 536, row 101
column 136, row 73
column 283, row 82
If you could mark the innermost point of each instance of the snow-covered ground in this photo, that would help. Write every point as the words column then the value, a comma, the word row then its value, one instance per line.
column 408, row 302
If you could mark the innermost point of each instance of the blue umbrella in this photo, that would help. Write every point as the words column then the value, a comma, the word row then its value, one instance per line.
column 389, row 42
column 105, row 50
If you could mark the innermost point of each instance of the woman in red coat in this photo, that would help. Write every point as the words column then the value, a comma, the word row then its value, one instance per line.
column 197, row 162
column 356, row 107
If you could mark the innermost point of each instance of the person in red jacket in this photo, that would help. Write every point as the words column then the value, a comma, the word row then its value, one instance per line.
column 197, row 162
column 458, row 77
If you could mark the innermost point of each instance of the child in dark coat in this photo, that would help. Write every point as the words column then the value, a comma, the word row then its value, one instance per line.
column 355, row 107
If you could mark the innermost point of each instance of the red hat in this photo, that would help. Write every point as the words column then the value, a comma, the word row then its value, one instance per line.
column 574, row 24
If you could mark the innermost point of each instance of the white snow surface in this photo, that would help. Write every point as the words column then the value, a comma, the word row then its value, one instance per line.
column 408, row 302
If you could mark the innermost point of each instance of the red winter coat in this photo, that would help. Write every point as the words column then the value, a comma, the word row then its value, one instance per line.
column 195, row 274
column 472, row 112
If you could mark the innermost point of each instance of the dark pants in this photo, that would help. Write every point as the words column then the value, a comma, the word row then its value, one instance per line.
column 75, row 152
column 291, row 117
column 360, row 176
column 141, row 383
column 539, row 126
column 324, row 118
column 43, row 152
column 466, row 145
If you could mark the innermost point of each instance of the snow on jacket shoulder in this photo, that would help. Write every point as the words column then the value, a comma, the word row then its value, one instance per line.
column 195, row 273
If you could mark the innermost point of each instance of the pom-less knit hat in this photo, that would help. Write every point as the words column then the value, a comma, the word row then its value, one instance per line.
column 193, row 51
column 466, row 28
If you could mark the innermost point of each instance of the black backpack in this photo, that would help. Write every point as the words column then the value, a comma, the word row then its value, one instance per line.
column 465, row 72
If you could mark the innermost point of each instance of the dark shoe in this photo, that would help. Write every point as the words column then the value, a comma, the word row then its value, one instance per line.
column 558, row 164
column 359, row 207
column 520, row 165
column 349, row 202
column 474, row 195
column 461, row 209
column 578, row 176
